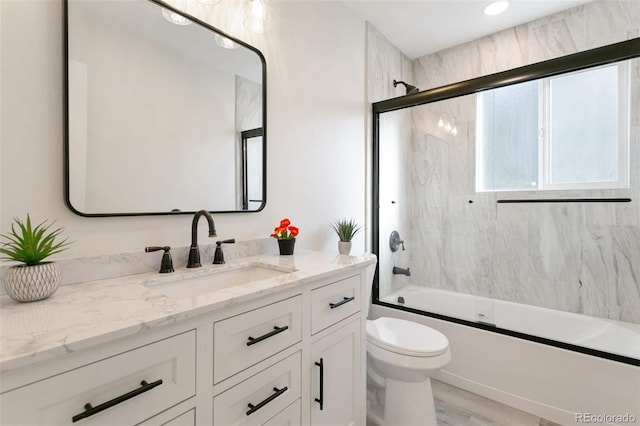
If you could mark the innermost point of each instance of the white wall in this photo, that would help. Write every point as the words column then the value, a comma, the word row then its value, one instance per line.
column 316, row 109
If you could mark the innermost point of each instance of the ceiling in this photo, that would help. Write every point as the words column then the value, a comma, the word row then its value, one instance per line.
column 420, row 27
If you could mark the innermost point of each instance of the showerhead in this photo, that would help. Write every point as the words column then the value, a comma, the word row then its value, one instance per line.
column 408, row 88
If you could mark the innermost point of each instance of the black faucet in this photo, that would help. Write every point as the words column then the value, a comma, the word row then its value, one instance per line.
column 194, row 252
column 218, row 257
column 167, row 263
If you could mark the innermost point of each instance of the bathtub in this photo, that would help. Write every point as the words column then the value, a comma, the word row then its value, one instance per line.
column 550, row 381
column 601, row 334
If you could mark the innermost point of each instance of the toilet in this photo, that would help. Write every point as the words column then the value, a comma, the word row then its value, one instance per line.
column 401, row 358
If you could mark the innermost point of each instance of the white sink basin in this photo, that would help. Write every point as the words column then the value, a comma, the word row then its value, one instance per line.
column 217, row 280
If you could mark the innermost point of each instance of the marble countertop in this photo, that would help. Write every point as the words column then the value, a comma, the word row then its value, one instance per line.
column 83, row 315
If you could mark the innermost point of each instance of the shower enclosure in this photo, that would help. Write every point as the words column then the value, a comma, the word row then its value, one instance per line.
column 511, row 202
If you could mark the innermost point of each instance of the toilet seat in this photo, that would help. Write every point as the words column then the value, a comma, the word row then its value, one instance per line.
column 406, row 337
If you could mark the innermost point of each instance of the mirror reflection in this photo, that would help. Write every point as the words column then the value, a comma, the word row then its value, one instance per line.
column 157, row 108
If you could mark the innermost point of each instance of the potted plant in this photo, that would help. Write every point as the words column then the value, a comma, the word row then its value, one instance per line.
column 346, row 230
column 286, row 234
column 35, row 280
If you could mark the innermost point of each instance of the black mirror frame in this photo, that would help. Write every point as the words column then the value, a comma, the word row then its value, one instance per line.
column 65, row 65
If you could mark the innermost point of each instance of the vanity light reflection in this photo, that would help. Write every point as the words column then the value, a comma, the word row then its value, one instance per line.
column 175, row 18
column 257, row 16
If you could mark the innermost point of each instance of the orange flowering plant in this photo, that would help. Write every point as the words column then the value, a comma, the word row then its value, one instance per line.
column 285, row 231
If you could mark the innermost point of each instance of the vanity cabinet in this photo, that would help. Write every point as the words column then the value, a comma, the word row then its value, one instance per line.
column 245, row 339
column 337, row 353
column 334, row 302
column 291, row 357
column 170, row 418
column 336, row 381
column 134, row 385
column 256, row 400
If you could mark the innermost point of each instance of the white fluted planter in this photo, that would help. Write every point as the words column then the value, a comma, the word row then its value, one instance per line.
column 344, row 247
column 31, row 283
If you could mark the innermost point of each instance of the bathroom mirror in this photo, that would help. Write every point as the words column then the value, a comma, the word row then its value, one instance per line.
column 158, row 104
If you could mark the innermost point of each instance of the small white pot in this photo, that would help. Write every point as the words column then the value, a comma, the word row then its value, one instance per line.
column 344, row 247
column 31, row 283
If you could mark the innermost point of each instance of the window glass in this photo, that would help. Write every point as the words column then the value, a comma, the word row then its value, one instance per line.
column 584, row 137
column 566, row 132
column 508, row 136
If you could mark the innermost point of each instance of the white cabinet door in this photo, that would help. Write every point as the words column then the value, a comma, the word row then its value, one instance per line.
column 336, row 378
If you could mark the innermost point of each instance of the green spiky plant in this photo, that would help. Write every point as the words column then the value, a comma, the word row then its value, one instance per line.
column 346, row 229
column 32, row 245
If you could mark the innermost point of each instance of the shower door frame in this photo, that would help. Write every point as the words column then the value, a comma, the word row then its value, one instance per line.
column 616, row 52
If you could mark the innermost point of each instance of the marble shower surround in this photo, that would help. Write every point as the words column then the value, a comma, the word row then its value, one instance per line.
column 582, row 258
column 385, row 64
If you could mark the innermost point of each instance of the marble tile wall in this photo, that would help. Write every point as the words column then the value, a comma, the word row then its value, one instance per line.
column 385, row 64
column 582, row 258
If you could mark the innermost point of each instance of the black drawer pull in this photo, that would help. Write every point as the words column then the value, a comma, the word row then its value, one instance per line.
column 90, row 410
column 342, row 302
column 321, row 399
column 254, row 408
column 276, row 330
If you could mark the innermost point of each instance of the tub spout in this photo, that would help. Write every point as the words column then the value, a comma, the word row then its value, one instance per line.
column 401, row 271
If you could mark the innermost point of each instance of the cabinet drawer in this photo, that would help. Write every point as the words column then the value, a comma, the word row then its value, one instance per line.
column 248, row 338
column 185, row 419
column 290, row 416
column 334, row 302
column 261, row 397
column 167, row 366
column 169, row 418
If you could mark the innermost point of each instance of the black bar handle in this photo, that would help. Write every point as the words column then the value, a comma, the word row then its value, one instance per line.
column 567, row 200
column 342, row 302
column 321, row 399
column 276, row 330
column 89, row 410
column 254, row 408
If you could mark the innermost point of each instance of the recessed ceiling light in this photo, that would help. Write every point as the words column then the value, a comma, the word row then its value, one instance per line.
column 496, row 7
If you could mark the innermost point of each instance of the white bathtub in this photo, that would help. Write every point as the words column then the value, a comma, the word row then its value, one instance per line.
column 551, row 382
column 601, row 334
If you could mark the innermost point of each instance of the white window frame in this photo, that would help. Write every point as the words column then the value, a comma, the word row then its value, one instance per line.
column 544, row 144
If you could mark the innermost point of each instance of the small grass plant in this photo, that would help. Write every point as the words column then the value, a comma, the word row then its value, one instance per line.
column 346, row 229
column 31, row 245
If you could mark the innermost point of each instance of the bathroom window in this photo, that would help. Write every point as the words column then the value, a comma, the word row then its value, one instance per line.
column 565, row 132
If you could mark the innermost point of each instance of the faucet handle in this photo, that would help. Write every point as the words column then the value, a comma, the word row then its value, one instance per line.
column 166, row 265
column 218, row 257
column 395, row 241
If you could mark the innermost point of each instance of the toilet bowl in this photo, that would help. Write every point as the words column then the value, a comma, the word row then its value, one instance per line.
column 401, row 358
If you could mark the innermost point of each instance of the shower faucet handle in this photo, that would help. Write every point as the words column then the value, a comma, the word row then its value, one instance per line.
column 395, row 242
